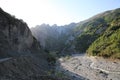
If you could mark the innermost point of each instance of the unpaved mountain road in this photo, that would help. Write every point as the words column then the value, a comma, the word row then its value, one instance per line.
column 91, row 68
column 4, row 59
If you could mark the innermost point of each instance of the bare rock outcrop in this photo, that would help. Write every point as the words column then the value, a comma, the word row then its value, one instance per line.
column 25, row 58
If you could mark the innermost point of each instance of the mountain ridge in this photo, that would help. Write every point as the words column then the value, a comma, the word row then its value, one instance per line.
column 22, row 57
column 86, row 32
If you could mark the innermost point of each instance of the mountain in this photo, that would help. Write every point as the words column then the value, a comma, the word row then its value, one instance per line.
column 21, row 56
column 108, row 44
column 86, row 36
column 100, row 34
column 53, row 37
column 15, row 37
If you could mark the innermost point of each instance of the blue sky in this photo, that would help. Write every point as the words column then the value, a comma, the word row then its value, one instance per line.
column 86, row 8
column 60, row 12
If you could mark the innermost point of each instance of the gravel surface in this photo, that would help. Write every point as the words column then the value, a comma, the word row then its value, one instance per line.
column 81, row 67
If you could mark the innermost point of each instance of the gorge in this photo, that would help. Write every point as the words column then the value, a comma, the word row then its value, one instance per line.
column 88, row 50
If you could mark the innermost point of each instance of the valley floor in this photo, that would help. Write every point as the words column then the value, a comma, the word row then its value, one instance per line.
column 82, row 67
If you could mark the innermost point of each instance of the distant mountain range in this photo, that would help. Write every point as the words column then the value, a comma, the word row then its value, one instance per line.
column 98, row 35
column 53, row 37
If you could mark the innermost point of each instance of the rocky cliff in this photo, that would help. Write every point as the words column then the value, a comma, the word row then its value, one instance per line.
column 53, row 38
column 15, row 36
column 21, row 57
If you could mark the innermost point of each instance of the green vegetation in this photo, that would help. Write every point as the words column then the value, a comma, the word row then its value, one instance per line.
column 100, row 35
column 108, row 44
column 51, row 58
column 90, row 31
column 83, row 41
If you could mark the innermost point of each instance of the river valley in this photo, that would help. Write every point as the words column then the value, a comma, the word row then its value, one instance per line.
column 82, row 67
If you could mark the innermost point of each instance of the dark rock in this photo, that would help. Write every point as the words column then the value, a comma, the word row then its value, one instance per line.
column 17, row 43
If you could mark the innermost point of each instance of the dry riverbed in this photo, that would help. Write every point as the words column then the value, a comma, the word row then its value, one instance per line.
column 81, row 67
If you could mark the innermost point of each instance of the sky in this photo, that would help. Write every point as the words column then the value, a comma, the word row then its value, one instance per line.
column 60, row 12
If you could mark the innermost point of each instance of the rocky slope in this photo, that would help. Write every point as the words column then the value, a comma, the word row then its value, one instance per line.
column 21, row 57
column 82, row 67
column 99, row 35
column 53, row 37
column 15, row 37
column 108, row 44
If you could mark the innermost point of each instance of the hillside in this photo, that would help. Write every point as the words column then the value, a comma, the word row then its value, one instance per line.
column 79, row 37
column 21, row 56
column 104, row 30
column 15, row 37
column 108, row 44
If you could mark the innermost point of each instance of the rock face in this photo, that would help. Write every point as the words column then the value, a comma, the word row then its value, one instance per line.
column 53, row 38
column 21, row 56
column 15, row 36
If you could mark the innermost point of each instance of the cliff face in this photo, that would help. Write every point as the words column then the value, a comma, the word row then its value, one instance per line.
column 15, row 36
column 53, row 37
column 21, row 56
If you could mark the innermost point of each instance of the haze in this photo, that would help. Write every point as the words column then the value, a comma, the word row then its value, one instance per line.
column 60, row 12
